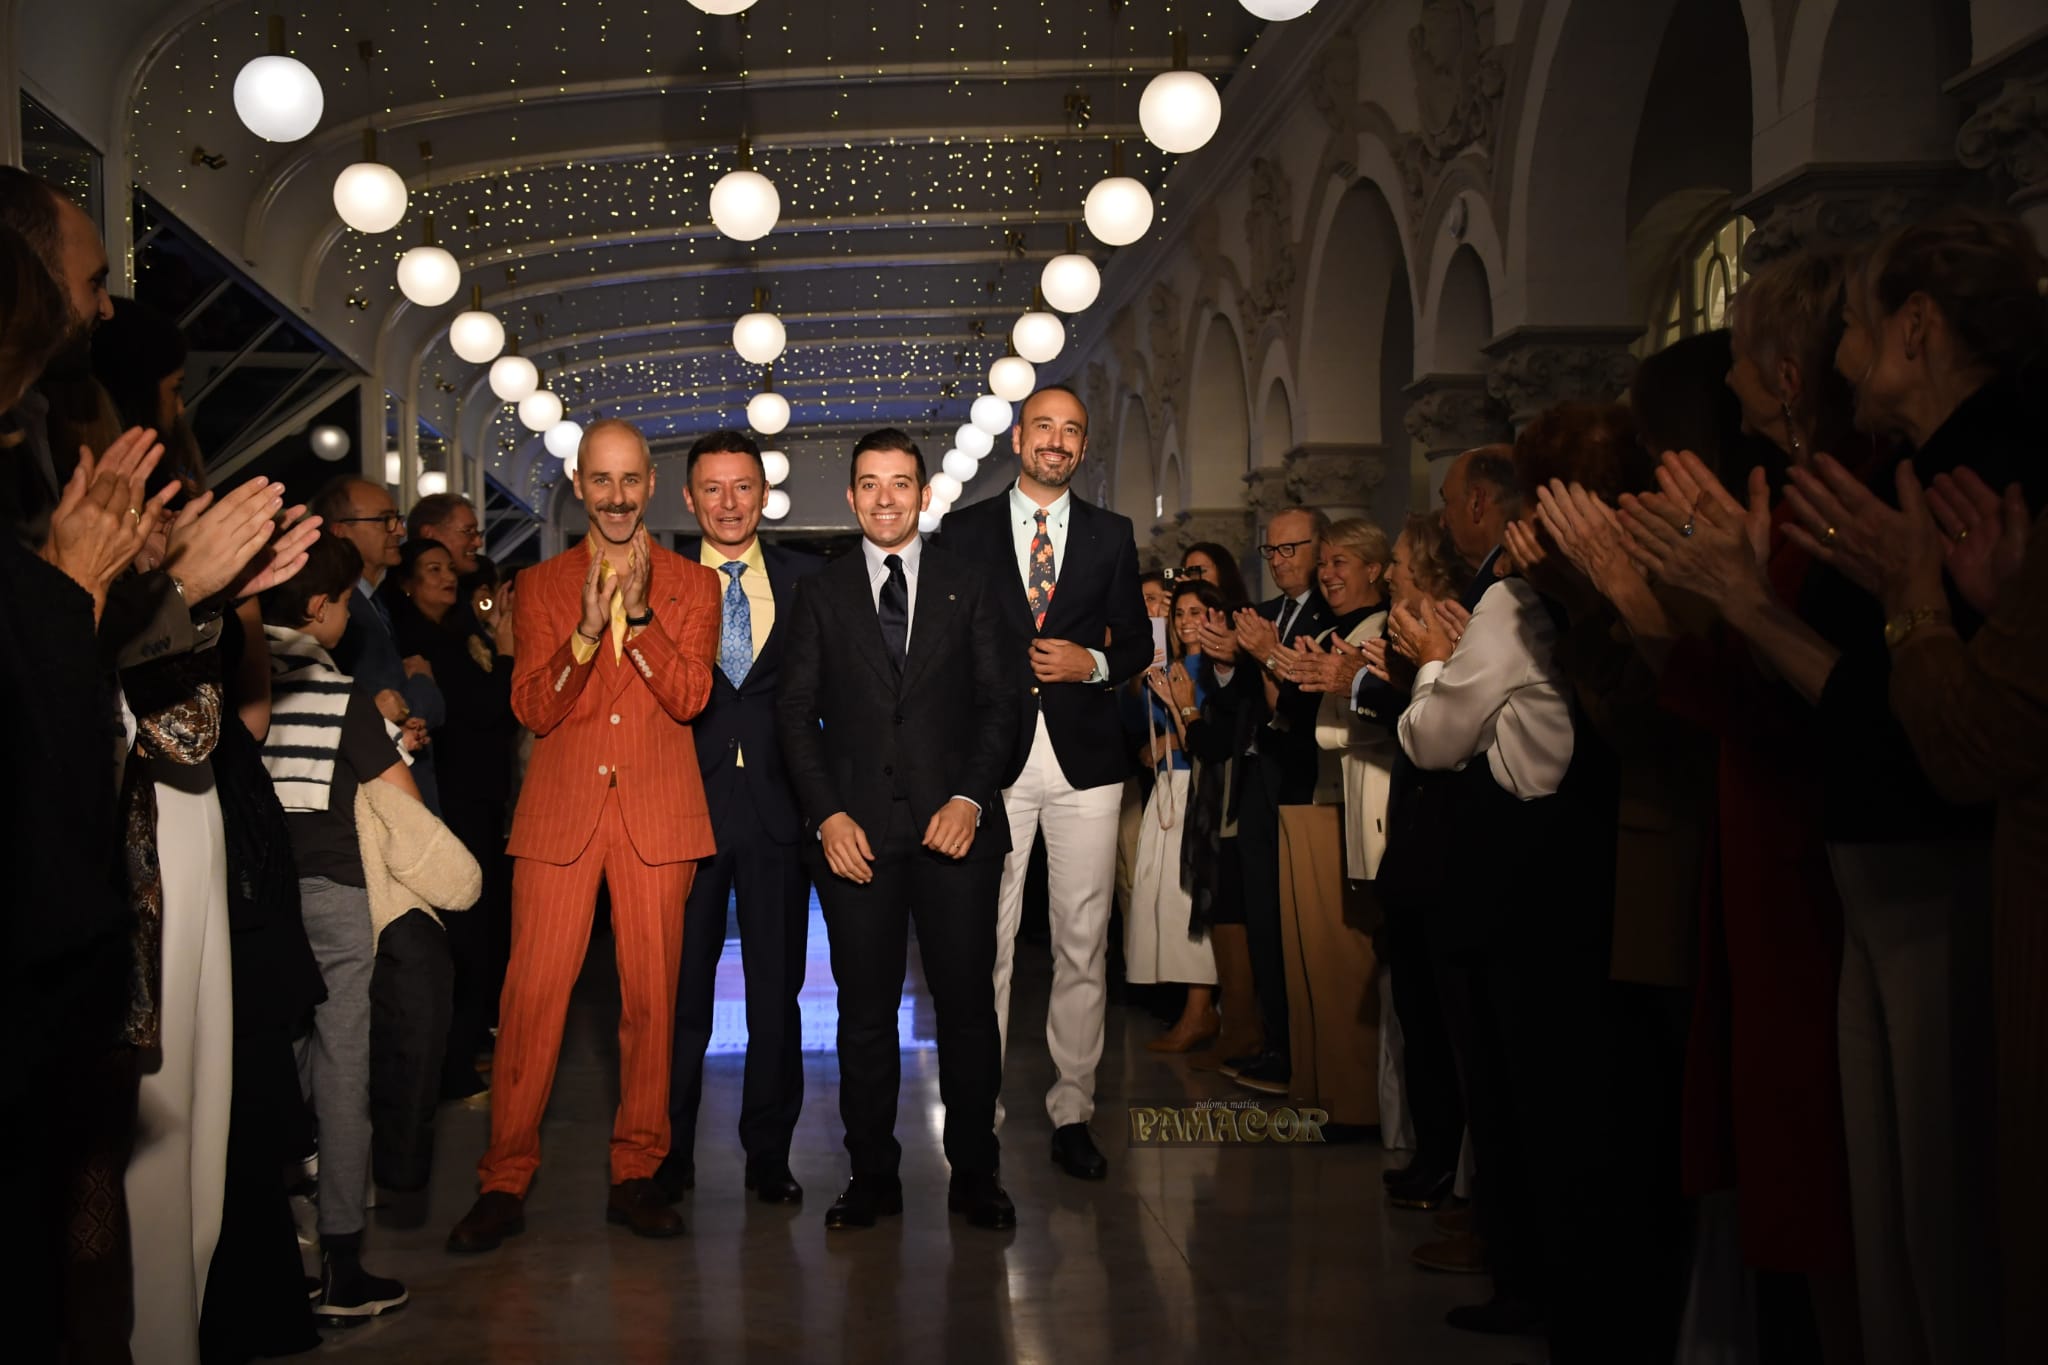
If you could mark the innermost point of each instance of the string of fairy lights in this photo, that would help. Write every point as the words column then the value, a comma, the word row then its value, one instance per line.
column 631, row 202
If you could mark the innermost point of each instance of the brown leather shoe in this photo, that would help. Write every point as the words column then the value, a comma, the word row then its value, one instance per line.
column 640, row 1206
column 1454, row 1218
column 1464, row 1254
column 495, row 1216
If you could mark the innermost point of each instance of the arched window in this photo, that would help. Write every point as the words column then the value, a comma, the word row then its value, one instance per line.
column 1702, row 285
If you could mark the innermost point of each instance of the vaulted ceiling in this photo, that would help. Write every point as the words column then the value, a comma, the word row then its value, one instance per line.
column 930, row 155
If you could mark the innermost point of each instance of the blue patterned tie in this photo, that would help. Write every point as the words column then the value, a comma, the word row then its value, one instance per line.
column 736, row 638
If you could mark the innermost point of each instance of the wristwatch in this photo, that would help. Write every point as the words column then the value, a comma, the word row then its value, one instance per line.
column 1272, row 663
column 1190, row 712
column 642, row 619
column 1900, row 628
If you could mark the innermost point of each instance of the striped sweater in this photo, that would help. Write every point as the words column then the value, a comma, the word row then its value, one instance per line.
column 308, row 701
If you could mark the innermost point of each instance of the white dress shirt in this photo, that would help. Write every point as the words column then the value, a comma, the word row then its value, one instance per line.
column 1501, row 694
column 1024, row 529
column 878, row 574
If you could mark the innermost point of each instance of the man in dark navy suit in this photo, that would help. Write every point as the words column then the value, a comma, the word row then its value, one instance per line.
column 755, row 821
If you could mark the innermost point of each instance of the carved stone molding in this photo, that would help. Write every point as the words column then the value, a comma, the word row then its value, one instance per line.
column 1340, row 479
column 1831, row 206
column 1537, row 367
column 1265, row 492
column 1165, row 318
column 1333, row 82
column 1230, row 527
column 1269, row 229
column 1451, row 413
column 1459, row 78
column 2008, row 136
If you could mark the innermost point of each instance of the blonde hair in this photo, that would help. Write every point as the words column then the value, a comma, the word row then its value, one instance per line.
column 1363, row 538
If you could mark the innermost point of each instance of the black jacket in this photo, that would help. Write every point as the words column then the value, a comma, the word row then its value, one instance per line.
column 1288, row 744
column 742, row 720
column 856, row 736
column 1097, row 606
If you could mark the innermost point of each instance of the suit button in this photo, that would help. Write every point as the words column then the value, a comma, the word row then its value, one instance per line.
column 888, row 770
column 899, row 717
column 1034, row 691
column 602, row 770
column 615, row 718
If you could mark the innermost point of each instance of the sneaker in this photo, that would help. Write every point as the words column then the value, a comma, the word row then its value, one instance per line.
column 350, row 1294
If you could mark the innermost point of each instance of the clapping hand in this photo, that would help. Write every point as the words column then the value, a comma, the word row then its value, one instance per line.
column 1422, row 636
column 1332, row 669
column 1882, row 549
column 1694, row 535
column 1986, row 533
column 634, row 581
column 214, row 538
column 1218, row 638
column 103, row 519
column 599, row 588
column 1589, row 535
column 1256, row 635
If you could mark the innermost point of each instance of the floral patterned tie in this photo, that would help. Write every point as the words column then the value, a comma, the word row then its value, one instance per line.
column 736, row 636
column 1044, row 577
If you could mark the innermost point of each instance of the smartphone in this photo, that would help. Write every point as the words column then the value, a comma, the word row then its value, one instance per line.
column 1159, row 642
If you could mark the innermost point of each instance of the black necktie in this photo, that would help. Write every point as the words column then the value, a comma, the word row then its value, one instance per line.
column 894, row 611
column 1288, row 610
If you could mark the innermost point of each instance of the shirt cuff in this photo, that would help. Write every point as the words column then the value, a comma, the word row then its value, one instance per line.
column 1358, row 682
column 974, row 803
column 1427, row 675
column 582, row 646
column 1100, row 675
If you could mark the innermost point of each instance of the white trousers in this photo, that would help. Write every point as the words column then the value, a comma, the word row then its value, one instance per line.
column 177, row 1177
column 1080, row 855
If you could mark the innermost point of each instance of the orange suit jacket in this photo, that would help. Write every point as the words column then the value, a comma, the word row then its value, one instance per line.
column 623, row 720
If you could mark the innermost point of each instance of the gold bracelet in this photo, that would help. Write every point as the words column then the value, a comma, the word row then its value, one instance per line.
column 1900, row 628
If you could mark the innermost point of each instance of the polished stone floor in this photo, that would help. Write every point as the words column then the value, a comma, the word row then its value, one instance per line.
column 1250, row 1253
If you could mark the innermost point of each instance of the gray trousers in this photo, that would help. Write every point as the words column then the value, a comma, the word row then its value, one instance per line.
column 334, row 1060
column 1916, row 1052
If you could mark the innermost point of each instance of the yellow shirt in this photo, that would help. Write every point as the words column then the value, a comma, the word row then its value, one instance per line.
column 580, row 644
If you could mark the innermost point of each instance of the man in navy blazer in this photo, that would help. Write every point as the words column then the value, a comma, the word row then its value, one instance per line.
column 1075, row 627
column 755, row 820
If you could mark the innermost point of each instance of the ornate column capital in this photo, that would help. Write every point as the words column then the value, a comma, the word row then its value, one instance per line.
column 1265, row 492
column 1450, row 413
column 1340, row 479
column 2008, row 136
column 1539, row 367
column 1830, row 205
column 1229, row 527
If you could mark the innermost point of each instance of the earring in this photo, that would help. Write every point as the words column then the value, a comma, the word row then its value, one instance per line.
column 1791, row 432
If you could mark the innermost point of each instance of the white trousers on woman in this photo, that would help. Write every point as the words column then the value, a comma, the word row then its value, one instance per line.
column 177, row 1177
column 1156, row 943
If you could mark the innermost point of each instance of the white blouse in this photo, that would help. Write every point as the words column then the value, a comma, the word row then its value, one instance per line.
column 1500, row 694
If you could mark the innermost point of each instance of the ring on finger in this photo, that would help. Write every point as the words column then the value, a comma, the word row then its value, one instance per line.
column 1828, row 534
column 1962, row 535
column 1688, row 528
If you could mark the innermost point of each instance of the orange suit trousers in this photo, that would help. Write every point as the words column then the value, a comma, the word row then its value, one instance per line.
column 552, row 909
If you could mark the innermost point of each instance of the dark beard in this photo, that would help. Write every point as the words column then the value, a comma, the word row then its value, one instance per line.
column 72, row 360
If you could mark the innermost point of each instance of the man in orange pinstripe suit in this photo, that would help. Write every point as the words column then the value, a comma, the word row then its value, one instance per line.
column 616, row 640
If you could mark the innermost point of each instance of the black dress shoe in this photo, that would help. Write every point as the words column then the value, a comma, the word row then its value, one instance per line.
column 675, row 1178
column 774, row 1185
column 1422, row 1192
column 863, row 1202
column 1497, row 1317
column 1270, row 1075
column 640, row 1206
column 495, row 1216
column 982, row 1200
column 1073, row 1151
column 1232, row 1065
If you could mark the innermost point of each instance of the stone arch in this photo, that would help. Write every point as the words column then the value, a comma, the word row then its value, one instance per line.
column 1217, row 437
column 1171, row 488
column 1133, row 479
column 1863, row 82
column 1358, row 270
column 1460, row 321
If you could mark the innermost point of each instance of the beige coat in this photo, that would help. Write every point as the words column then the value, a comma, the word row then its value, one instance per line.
column 410, row 859
column 1358, row 768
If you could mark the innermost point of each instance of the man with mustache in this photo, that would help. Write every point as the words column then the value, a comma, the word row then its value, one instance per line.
column 616, row 640
column 1067, row 576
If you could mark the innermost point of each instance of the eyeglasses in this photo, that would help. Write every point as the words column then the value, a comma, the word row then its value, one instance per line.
column 390, row 521
column 1284, row 550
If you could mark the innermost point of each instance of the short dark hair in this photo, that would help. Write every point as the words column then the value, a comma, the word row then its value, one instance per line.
column 1494, row 466
column 886, row 438
column 34, row 318
column 725, row 441
column 31, row 206
column 331, row 569
column 333, row 501
column 432, row 510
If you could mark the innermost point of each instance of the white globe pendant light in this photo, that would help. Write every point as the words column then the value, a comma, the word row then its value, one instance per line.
column 1278, row 10
column 972, row 441
column 774, row 466
column 1070, row 282
column 928, row 522
column 1012, row 379
column 759, row 337
column 1038, row 335
column 768, row 411
column 991, row 414
column 723, row 6
column 368, row 195
column 539, row 410
column 328, row 442
column 1118, row 211
column 476, row 336
column 427, row 274
column 433, row 483
column 394, row 468
column 1180, row 109
column 513, row 376
column 960, row 465
column 744, row 203
column 776, row 505
column 563, row 438
column 946, row 486
column 277, row 97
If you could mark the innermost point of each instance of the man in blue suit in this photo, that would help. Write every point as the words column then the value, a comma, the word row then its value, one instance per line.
column 755, row 820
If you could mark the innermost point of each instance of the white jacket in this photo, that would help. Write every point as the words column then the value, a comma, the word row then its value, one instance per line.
column 410, row 859
column 1365, row 770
